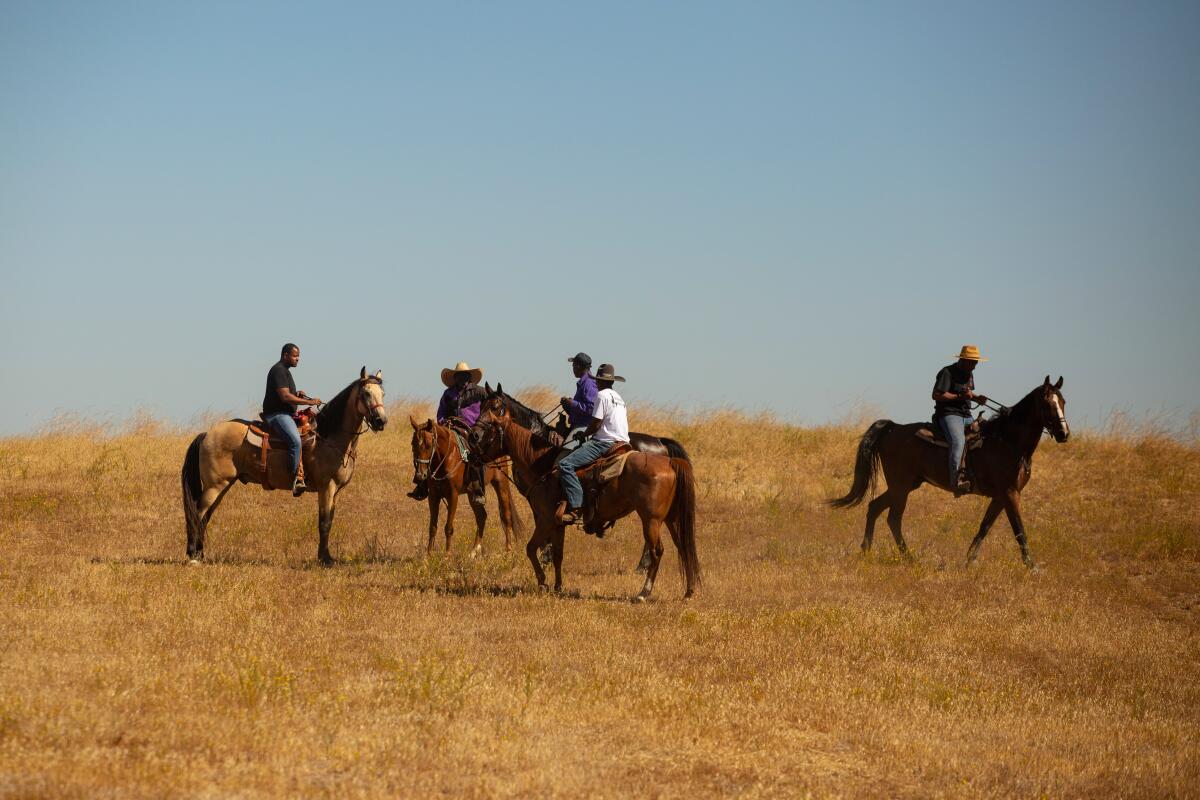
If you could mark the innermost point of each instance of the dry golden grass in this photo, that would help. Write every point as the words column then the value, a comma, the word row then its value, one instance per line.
column 801, row 668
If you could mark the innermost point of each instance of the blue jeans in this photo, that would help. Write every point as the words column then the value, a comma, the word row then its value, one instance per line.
column 285, row 426
column 955, row 429
column 583, row 455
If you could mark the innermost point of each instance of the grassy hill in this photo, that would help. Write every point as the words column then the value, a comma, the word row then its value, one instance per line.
column 801, row 667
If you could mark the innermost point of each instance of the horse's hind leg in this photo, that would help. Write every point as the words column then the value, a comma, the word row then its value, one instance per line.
column 874, row 509
column 451, row 508
column 989, row 517
column 650, row 532
column 477, row 506
column 557, row 539
column 644, row 564
column 209, row 500
column 896, row 517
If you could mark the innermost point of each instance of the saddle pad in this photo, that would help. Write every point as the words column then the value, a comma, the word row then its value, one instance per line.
column 461, row 441
column 926, row 435
column 614, row 467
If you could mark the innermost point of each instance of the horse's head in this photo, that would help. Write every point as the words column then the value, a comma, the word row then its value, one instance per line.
column 422, row 447
column 495, row 400
column 370, row 399
column 486, row 438
column 1052, row 408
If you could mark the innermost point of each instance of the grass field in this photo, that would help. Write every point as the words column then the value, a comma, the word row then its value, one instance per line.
column 801, row 667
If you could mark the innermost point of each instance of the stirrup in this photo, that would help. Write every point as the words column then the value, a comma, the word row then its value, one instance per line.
column 298, row 487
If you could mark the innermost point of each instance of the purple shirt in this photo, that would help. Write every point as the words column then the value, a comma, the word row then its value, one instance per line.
column 579, row 413
column 448, row 407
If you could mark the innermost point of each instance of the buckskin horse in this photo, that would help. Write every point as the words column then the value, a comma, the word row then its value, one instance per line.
column 531, row 420
column 999, row 468
column 436, row 458
column 660, row 489
column 225, row 454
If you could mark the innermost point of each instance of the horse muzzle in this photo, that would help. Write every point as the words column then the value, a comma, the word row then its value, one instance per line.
column 377, row 423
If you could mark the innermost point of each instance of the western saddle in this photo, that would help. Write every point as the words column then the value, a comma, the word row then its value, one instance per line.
column 261, row 436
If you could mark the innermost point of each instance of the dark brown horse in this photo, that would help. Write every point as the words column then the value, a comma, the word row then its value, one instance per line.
column 224, row 455
column 659, row 489
column 436, row 459
column 532, row 421
column 999, row 468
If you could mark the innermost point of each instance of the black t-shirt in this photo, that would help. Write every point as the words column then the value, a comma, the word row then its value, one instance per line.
column 956, row 380
column 278, row 378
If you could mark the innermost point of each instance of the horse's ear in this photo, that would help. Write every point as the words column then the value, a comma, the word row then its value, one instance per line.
column 1059, row 384
column 379, row 374
column 1047, row 383
column 499, row 388
column 487, row 388
column 428, row 425
column 362, row 376
column 413, row 421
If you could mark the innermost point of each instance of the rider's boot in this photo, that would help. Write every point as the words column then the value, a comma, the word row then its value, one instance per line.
column 564, row 515
column 962, row 485
column 475, row 487
column 298, row 487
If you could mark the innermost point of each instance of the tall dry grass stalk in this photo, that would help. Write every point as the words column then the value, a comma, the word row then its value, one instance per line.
column 802, row 668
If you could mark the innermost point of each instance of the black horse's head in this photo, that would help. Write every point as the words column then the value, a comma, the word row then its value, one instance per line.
column 1052, row 407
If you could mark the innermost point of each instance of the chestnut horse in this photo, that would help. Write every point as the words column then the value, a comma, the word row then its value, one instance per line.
column 436, row 459
column 220, row 457
column 999, row 469
column 658, row 488
column 531, row 420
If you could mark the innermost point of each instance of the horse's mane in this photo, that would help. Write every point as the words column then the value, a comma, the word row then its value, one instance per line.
column 1004, row 422
column 545, row 461
column 525, row 416
column 330, row 417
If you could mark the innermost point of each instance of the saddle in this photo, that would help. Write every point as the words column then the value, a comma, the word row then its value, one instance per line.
column 594, row 477
column 260, row 435
column 932, row 434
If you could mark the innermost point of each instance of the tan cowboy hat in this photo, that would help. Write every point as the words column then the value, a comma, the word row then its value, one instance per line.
column 462, row 366
column 971, row 353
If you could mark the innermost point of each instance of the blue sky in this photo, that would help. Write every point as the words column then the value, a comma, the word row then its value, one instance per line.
column 793, row 207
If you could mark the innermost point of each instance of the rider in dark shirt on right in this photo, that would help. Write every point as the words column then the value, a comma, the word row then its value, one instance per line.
column 953, row 391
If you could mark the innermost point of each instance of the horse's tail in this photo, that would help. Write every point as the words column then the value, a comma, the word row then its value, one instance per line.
column 675, row 449
column 189, row 478
column 866, row 465
column 683, row 511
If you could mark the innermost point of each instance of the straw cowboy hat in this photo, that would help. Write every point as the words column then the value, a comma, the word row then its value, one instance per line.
column 605, row 373
column 462, row 366
column 971, row 353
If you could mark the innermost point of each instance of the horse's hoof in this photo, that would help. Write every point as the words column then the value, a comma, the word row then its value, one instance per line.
column 543, row 588
column 641, row 598
column 195, row 561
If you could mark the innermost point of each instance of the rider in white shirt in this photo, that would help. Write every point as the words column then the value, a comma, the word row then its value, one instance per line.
column 609, row 426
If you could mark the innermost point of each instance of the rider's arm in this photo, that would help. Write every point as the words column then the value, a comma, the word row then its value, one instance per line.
column 593, row 426
column 285, row 394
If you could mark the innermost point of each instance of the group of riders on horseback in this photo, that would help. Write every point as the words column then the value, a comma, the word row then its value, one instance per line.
column 640, row 473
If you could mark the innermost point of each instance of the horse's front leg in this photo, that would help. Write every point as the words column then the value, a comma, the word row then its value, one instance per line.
column 985, row 525
column 480, row 510
column 451, row 508
column 325, row 511
column 505, row 502
column 1012, row 507
column 558, row 540
column 435, row 507
column 541, row 535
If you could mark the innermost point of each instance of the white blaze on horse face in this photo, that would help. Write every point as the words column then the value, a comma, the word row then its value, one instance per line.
column 1058, row 409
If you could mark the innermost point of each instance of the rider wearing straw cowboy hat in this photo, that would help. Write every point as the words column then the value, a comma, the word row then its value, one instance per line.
column 608, row 426
column 459, row 408
column 953, row 392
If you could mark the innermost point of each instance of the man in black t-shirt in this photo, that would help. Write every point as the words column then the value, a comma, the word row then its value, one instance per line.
column 953, row 391
column 279, row 403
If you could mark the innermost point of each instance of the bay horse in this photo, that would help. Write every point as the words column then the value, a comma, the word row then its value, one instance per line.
column 436, row 459
column 222, row 456
column 999, row 468
column 532, row 421
column 658, row 488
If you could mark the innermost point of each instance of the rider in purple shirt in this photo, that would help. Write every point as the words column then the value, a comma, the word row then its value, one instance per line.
column 459, row 408
column 579, row 408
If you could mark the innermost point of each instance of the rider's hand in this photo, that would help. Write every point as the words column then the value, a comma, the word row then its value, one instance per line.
column 314, row 401
column 979, row 398
column 967, row 393
column 565, row 402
